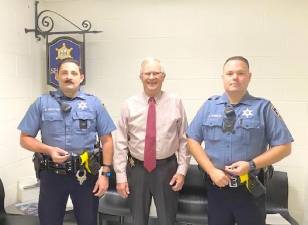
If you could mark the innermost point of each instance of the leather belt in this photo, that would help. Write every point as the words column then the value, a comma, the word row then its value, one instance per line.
column 132, row 161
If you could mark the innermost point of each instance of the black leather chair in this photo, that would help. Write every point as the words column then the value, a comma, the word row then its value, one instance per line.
column 193, row 205
column 12, row 219
column 277, row 196
column 112, row 207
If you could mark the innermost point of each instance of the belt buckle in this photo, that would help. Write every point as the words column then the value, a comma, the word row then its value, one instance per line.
column 233, row 182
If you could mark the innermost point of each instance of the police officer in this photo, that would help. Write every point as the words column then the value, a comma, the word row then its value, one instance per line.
column 242, row 134
column 69, row 121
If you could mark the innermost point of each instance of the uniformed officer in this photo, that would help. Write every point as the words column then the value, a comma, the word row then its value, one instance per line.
column 242, row 134
column 69, row 121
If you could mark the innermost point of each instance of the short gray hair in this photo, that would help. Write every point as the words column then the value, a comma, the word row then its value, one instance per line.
column 151, row 60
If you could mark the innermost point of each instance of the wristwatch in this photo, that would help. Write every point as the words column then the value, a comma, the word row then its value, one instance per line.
column 107, row 174
column 252, row 166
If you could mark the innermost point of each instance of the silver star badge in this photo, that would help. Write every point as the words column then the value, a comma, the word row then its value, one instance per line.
column 82, row 105
column 247, row 113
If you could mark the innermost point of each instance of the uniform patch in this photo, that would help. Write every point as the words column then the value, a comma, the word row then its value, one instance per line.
column 276, row 112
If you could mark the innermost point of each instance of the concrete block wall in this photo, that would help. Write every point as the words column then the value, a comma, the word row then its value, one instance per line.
column 21, row 81
column 192, row 38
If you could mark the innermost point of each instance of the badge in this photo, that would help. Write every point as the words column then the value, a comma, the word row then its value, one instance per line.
column 247, row 113
column 131, row 162
column 82, row 105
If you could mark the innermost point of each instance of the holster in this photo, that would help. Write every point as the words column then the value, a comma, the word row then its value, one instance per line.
column 95, row 161
column 255, row 187
column 38, row 162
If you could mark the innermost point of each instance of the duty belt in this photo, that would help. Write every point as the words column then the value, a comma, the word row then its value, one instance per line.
column 78, row 164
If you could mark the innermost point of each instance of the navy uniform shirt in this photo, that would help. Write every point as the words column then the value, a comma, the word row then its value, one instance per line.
column 73, row 131
column 258, row 125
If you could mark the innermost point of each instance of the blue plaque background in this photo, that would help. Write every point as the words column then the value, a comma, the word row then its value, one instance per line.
column 77, row 53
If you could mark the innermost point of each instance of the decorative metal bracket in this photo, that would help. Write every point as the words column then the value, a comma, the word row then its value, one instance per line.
column 44, row 25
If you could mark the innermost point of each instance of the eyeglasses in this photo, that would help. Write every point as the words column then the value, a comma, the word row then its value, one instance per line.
column 155, row 74
column 229, row 119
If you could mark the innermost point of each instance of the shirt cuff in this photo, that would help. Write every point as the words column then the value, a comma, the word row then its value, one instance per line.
column 121, row 177
column 182, row 169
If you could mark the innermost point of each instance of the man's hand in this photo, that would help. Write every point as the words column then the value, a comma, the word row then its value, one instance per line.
column 101, row 186
column 177, row 182
column 123, row 189
column 219, row 177
column 238, row 168
column 58, row 155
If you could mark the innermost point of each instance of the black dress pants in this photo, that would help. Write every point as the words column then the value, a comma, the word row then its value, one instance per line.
column 143, row 185
column 54, row 192
column 227, row 206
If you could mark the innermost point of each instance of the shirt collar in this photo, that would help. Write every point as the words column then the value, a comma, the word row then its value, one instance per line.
column 246, row 100
column 80, row 95
column 157, row 97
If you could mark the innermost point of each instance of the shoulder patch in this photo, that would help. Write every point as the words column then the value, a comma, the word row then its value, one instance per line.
column 276, row 112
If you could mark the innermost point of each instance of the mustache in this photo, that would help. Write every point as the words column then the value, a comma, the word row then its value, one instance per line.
column 68, row 81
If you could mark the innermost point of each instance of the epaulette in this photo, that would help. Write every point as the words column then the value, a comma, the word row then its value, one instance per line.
column 214, row 97
column 88, row 94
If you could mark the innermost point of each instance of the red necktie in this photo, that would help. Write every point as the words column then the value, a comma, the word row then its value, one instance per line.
column 150, row 138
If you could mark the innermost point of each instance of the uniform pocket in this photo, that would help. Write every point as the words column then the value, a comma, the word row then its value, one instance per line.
column 212, row 128
column 52, row 122
column 249, row 129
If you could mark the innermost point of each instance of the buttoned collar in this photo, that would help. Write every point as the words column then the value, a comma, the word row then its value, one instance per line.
column 246, row 100
column 80, row 95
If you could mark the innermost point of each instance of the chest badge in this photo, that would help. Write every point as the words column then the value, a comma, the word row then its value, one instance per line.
column 82, row 105
column 247, row 113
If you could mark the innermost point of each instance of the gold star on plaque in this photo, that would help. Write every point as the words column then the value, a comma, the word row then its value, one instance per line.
column 64, row 52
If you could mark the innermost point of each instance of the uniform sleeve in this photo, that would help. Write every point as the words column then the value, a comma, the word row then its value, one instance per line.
column 31, row 122
column 277, row 132
column 194, row 130
column 105, row 124
column 183, row 154
column 121, row 146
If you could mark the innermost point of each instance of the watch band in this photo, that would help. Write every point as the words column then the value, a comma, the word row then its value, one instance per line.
column 252, row 166
column 107, row 174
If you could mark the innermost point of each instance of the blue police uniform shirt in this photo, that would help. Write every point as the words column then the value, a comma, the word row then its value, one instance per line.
column 73, row 131
column 257, row 126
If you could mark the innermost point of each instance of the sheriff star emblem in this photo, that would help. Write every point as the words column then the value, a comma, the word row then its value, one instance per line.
column 247, row 113
column 82, row 105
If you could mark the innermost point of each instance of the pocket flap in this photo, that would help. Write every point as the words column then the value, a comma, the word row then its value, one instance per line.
column 52, row 116
column 83, row 115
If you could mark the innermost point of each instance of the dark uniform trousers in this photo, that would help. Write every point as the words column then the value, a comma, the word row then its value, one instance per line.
column 227, row 206
column 143, row 185
column 54, row 192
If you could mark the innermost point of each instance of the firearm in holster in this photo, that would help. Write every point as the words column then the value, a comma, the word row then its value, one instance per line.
column 38, row 162
column 256, row 183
